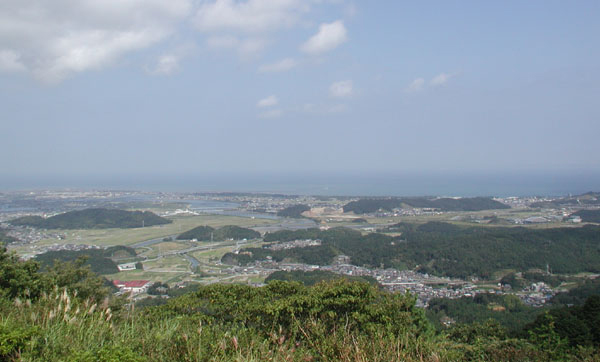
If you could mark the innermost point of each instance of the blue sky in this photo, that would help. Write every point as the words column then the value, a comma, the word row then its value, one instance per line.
column 182, row 87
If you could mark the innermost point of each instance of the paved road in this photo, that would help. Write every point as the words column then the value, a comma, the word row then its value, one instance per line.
column 185, row 252
column 288, row 224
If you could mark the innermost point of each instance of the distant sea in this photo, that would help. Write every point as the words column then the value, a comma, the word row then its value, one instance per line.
column 500, row 184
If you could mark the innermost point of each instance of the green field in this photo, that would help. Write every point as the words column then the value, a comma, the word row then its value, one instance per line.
column 173, row 268
column 157, row 249
column 107, row 237
column 168, row 264
column 448, row 216
column 148, row 275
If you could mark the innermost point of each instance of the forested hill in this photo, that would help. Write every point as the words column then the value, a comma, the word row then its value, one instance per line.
column 587, row 199
column 99, row 260
column 293, row 211
column 4, row 238
column 67, row 313
column 223, row 233
column 444, row 249
column 369, row 205
column 93, row 219
column 589, row 215
column 310, row 278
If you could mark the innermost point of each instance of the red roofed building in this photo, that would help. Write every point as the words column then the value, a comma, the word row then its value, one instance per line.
column 134, row 286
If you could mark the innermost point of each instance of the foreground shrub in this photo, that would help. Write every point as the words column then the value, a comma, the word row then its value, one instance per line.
column 335, row 321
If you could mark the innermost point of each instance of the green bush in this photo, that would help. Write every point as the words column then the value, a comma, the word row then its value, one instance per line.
column 13, row 340
column 107, row 354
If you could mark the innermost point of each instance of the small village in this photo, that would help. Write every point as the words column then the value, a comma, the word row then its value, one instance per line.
column 325, row 212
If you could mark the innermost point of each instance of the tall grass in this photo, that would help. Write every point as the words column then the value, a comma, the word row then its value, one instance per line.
column 61, row 327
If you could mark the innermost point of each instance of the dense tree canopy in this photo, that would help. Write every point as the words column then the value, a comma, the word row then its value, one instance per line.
column 235, row 232
column 4, row 238
column 588, row 215
column 313, row 277
column 443, row 249
column 508, row 310
column 93, row 219
column 579, row 325
column 223, row 233
column 293, row 211
column 578, row 295
column 589, row 198
column 364, row 206
column 199, row 233
column 100, row 260
column 24, row 279
column 61, row 314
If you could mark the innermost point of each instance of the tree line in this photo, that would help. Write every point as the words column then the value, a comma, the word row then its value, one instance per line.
column 97, row 218
column 371, row 205
column 442, row 249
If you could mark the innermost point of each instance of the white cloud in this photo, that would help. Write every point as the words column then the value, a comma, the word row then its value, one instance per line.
column 419, row 84
column 54, row 39
column 251, row 46
column 167, row 64
column 252, row 16
column 441, row 79
column 416, row 85
column 223, row 42
column 270, row 101
column 329, row 36
column 280, row 66
column 273, row 113
column 245, row 26
column 10, row 61
column 245, row 47
column 341, row 89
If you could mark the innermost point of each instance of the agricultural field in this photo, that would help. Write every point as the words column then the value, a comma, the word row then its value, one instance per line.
column 108, row 237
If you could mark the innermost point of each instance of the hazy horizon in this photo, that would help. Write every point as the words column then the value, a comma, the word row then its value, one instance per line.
column 332, row 184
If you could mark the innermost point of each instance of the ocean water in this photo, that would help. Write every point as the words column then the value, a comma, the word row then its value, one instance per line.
column 334, row 184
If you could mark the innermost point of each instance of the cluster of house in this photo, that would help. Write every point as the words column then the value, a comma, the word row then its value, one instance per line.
column 424, row 286
column 537, row 294
column 133, row 286
column 36, row 249
column 409, row 212
column 126, row 266
column 294, row 244
column 28, row 235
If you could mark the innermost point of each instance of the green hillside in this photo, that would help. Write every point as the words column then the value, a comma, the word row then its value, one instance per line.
column 316, row 276
column 99, row 260
column 371, row 205
column 293, row 211
column 67, row 313
column 508, row 310
column 235, row 232
column 588, row 215
column 199, row 233
column 443, row 249
column 589, row 198
column 93, row 219
column 4, row 238
column 223, row 233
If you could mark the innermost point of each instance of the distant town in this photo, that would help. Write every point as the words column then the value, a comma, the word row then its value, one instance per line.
column 163, row 258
